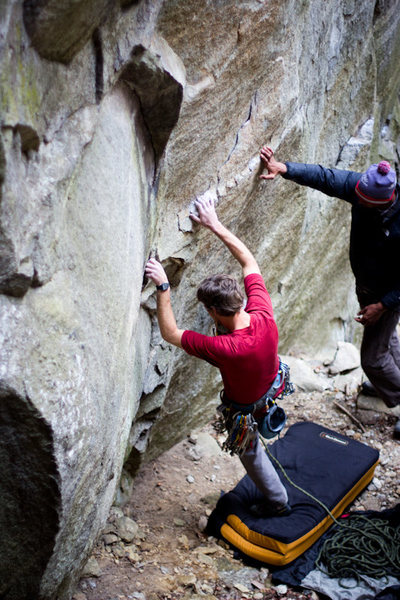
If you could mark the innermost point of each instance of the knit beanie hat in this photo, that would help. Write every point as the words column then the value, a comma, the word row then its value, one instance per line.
column 376, row 186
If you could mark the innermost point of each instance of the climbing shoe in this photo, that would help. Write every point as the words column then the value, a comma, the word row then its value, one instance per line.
column 368, row 389
column 266, row 510
column 396, row 430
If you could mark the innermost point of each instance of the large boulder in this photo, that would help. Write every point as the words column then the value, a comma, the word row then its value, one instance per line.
column 114, row 117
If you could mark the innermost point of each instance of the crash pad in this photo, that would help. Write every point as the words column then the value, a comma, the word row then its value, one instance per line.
column 331, row 467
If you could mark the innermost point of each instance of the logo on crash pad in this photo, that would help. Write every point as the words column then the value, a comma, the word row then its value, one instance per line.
column 332, row 438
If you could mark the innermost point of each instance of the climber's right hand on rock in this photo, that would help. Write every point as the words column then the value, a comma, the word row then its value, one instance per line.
column 206, row 214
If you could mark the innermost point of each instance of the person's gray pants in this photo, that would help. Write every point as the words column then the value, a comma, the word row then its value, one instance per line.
column 380, row 354
column 261, row 470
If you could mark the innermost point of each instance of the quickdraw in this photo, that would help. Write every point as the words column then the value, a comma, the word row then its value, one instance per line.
column 241, row 434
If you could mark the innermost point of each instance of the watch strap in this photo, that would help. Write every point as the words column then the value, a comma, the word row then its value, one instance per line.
column 163, row 286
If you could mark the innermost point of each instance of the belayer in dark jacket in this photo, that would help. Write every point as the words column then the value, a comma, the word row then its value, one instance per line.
column 374, row 251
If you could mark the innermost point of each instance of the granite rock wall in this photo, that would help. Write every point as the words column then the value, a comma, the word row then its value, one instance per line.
column 114, row 117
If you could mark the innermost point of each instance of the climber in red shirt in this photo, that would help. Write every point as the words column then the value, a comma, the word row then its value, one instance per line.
column 246, row 355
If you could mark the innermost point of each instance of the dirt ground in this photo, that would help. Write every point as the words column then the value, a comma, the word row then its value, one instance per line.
column 170, row 556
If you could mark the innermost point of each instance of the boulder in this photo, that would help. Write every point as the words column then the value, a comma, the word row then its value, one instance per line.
column 347, row 358
column 115, row 117
column 303, row 376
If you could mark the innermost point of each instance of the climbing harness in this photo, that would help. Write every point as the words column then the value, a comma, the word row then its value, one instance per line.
column 243, row 421
column 357, row 545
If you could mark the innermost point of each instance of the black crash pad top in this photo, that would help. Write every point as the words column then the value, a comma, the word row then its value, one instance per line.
column 326, row 464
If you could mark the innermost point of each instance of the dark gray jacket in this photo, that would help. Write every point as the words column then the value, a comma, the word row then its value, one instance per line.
column 374, row 236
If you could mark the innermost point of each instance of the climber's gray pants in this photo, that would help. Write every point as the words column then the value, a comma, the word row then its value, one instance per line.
column 260, row 469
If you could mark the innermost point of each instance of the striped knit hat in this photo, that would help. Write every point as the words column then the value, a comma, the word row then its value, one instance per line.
column 377, row 185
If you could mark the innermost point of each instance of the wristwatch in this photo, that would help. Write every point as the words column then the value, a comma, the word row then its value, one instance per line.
column 163, row 286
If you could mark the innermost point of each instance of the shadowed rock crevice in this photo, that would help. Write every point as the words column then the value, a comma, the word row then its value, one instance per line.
column 159, row 93
column 139, row 438
column 29, row 488
column 236, row 142
column 2, row 166
column 140, row 434
column 128, row 3
column 156, row 376
column 13, row 283
column 29, row 138
column 6, row 249
column 99, row 58
column 15, row 278
column 7, row 265
column 174, row 268
column 382, row 6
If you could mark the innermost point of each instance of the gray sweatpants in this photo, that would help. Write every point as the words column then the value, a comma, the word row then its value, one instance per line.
column 261, row 470
column 380, row 354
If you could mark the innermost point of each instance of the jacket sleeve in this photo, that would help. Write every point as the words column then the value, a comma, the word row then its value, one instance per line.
column 392, row 300
column 333, row 182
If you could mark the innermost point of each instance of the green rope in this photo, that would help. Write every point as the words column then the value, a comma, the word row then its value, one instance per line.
column 361, row 546
column 357, row 546
column 303, row 491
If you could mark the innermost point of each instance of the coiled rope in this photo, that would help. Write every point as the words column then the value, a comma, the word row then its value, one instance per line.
column 358, row 545
column 361, row 546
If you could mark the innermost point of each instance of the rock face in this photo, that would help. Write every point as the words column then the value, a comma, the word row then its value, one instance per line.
column 114, row 118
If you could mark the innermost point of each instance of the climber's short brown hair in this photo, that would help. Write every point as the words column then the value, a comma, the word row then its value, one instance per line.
column 222, row 293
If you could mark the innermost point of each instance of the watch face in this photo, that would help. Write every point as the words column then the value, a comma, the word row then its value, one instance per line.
column 163, row 287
